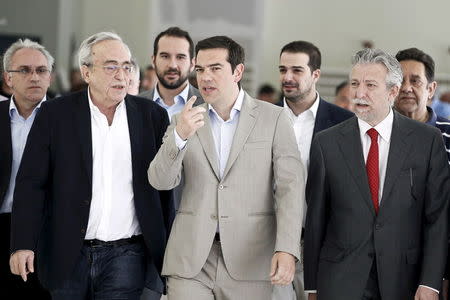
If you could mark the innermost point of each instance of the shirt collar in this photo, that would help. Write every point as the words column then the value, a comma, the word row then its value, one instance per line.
column 183, row 95
column 13, row 107
column 433, row 117
column 384, row 128
column 313, row 109
column 236, row 106
column 93, row 107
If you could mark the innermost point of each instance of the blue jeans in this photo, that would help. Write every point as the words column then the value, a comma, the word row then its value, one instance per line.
column 106, row 272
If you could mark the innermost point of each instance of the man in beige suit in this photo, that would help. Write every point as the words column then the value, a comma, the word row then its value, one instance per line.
column 238, row 226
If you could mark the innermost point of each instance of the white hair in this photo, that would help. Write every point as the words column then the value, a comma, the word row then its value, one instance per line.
column 85, row 51
column 25, row 44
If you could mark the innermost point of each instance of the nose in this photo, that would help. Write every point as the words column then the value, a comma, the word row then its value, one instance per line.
column 406, row 86
column 287, row 76
column 34, row 75
column 204, row 76
column 360, row 91
column 121, row 74
column 173, row 62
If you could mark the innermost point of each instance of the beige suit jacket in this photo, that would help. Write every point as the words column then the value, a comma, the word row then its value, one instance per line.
column 258, row 204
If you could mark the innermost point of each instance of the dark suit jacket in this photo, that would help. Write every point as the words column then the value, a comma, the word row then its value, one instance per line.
column 178, row 190
column 54, row 185
column 343, row 235
column 5, row 149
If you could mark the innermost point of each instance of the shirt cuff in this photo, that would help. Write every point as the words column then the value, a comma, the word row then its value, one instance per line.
column 179, row 141
column 311, row 291
column 429, row 288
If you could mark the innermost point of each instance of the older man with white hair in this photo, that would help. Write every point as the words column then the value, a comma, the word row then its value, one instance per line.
column 83, row 205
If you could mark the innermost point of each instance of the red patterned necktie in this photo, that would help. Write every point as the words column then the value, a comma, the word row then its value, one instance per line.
column 372, row 167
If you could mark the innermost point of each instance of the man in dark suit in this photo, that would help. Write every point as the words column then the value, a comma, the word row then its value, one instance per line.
column 309, row 114
column 377, row 194
column 27, row 66
column 83, row 204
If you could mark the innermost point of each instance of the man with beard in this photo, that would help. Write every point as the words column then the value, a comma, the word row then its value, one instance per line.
column 173, row 58
column 309, row 113
column 376, row 226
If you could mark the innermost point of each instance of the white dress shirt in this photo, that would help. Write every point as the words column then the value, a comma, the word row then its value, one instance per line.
column 179, row 101
column 112, row 213
column 384, row 129
column 303, row 125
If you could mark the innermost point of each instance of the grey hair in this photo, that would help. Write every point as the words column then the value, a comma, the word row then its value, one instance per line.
column 28, row 44
column 85, row 50
column 377, row 56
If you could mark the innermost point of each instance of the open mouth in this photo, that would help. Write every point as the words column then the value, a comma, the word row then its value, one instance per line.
column 208, row 89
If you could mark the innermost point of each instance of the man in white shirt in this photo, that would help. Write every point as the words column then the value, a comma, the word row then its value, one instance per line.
column 309, row 114
column 377, row 194
column 234, row 233
column 83, row 205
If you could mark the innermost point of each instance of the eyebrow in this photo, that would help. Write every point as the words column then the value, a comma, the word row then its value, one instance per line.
column 111, row 61
column 211, row 65
column 292, row 67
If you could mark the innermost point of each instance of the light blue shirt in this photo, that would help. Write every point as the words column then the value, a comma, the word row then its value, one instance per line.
column 20, row 127
column 179, row 101
column 223, row 132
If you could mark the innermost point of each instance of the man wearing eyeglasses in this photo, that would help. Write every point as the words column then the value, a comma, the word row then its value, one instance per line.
column 27, row 67
column 83, row 205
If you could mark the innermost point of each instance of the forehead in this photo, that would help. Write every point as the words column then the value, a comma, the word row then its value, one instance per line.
column 28, row 57
column 110, row 50
column 375, row 72
column 172, row 44
column 294, row 59
column 412, row 67
column 212, row 56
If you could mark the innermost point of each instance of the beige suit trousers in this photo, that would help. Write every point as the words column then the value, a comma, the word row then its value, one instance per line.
column 215, row 283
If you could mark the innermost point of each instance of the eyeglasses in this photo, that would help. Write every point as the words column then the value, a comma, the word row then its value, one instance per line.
column 113, row 69
column 26, row 71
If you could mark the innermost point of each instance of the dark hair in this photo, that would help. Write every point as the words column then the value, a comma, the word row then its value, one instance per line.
column 420, row 56
column 315, row 58
column 236, row 54
column 174, row 32
column 340, row 87
column 266, row 89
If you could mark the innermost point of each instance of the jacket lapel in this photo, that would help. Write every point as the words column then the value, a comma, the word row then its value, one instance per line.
column 351, row 149
column 398, row 150
column 247, row 120
column 83, row 119
column 5, row 149
column 135, row 130
column 206, row 139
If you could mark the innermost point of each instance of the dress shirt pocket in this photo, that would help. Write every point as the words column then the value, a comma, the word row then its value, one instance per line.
column 412, row 256
column 332, row 253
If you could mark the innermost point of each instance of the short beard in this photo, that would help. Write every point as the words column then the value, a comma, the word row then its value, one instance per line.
column 173, row 85
column 299, row 97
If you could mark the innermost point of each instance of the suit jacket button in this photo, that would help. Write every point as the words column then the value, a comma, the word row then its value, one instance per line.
column 83, row 231
column 214, row 217
column 378, row 226
column 86, row 202
column 221, row 187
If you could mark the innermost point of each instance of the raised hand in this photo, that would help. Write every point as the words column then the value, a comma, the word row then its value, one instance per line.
column 190, row 119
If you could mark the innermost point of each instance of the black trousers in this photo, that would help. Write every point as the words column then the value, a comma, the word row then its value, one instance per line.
column 10, row 284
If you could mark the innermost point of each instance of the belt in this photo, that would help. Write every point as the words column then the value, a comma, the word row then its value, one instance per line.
column 217, row 237
column 97, row 243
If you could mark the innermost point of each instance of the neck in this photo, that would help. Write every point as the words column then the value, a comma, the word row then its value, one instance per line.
column 421, row 116
column 223, row 108
column 302, row 105
column 106, row 107
column 168, row 95
column 24, row 108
